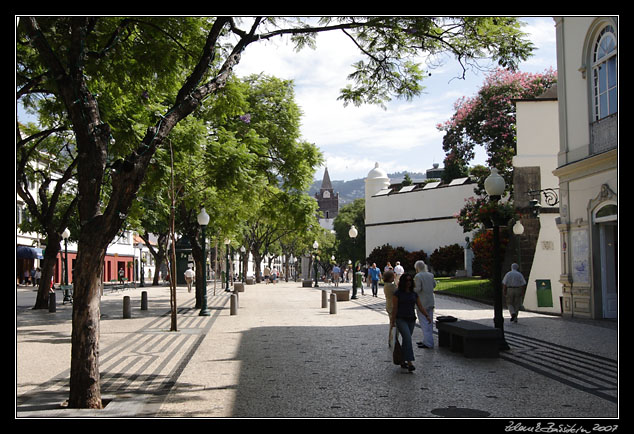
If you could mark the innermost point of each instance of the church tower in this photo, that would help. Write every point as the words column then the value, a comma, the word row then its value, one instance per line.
column 328, row 202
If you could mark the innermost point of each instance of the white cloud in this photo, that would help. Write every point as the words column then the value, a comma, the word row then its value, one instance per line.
column 403, row 137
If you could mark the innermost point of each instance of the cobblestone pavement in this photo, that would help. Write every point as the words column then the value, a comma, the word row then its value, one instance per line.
column 284, row 356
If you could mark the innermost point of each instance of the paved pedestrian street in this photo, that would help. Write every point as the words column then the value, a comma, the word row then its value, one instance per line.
column 284, row 356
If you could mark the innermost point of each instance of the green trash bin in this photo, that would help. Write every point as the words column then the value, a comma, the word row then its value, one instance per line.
column 544, row 293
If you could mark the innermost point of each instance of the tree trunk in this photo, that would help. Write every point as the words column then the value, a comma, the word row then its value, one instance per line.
column 258, row 267
column 84, row 370
column 47, row 269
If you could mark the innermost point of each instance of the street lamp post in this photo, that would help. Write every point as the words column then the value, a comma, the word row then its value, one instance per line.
column 141, row 274
column 518, row 229
column 494, row 185
column 203, row 221
column 65, row 236
column 352, row 233
column 227, row 246
column 315, row 246
column 243, row 263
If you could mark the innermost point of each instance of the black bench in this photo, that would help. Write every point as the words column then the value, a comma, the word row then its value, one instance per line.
column 469, row 338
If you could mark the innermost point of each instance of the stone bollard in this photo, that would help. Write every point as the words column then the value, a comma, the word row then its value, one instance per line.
column 127, row 308
column 333, row 303
column 51, row 302
column 144, row 300
column 234, row 304
column 324, row 298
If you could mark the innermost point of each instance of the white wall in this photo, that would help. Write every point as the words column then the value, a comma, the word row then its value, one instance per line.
column 537, row 146
column 437, row 206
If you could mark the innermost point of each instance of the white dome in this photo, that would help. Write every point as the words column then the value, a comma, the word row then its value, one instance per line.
column 377, row 173
column 376, row 181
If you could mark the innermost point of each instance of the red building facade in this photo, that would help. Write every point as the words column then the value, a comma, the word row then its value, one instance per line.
column 112, row 265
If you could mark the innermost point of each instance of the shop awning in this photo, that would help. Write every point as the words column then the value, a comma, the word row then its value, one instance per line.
column 25, row 252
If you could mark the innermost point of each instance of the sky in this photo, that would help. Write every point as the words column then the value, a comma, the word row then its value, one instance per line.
column 402, row 137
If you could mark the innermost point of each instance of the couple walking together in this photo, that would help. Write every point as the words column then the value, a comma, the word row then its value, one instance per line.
column 413, row 297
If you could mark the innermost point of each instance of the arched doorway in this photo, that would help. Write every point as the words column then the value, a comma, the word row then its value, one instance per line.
column 605, row 222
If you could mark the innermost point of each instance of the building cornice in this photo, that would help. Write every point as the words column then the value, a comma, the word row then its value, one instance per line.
column 587, row 166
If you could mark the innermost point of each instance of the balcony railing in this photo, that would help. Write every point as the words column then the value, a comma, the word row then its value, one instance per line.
column 604, row 134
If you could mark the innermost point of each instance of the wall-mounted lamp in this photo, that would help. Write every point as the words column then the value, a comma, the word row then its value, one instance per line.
column 550, row 197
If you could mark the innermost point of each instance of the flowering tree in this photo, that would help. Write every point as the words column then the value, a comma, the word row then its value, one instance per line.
column 482, row 246
column 481, row 211
column 488, row 119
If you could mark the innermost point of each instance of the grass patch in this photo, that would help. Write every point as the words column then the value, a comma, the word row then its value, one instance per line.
column 474, row 288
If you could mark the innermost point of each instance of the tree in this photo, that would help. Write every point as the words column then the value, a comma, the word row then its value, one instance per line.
column 482, row 246
column 447, row 259
column 278, row 215
column 99, row 70
column 52, row 211
column 488, row 119
column 350, row 214
column 387, row 253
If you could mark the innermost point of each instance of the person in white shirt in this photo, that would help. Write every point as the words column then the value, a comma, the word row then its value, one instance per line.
column 424, row 284
column 513, row 288
column 398, row 272
column 189, row 278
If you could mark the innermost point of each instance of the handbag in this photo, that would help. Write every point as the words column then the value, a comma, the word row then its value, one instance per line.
column 395, row 347
column 397, row 354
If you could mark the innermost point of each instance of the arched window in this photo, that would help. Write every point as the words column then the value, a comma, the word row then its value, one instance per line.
column 604, row 73
column 606, row 213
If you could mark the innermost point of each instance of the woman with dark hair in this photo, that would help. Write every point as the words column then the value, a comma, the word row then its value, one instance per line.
column 403, row 316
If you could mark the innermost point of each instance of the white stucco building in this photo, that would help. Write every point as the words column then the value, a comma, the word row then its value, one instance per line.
column 416, row 217
column 536, row 158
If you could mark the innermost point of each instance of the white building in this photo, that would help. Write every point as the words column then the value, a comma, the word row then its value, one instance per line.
column 587, row 167
column 537, row 147
column 416, row 217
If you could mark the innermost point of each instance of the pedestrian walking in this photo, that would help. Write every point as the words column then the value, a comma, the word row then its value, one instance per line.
column 374, row 273
column 363, row 271
column 424, row 284
column 398, row 272
column 38, row 275
column 404, row 303
column 189, row 278
column 335, row 275
column 389, row 287
column 267, row 275
column 513, row 289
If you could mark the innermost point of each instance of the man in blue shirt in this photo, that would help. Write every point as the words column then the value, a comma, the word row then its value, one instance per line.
column 335, row 275
column 375, row 274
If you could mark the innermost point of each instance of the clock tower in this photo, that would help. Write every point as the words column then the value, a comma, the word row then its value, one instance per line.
column 328, row 202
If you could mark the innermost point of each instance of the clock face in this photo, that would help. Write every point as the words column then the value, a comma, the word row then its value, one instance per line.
column 326, row 195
